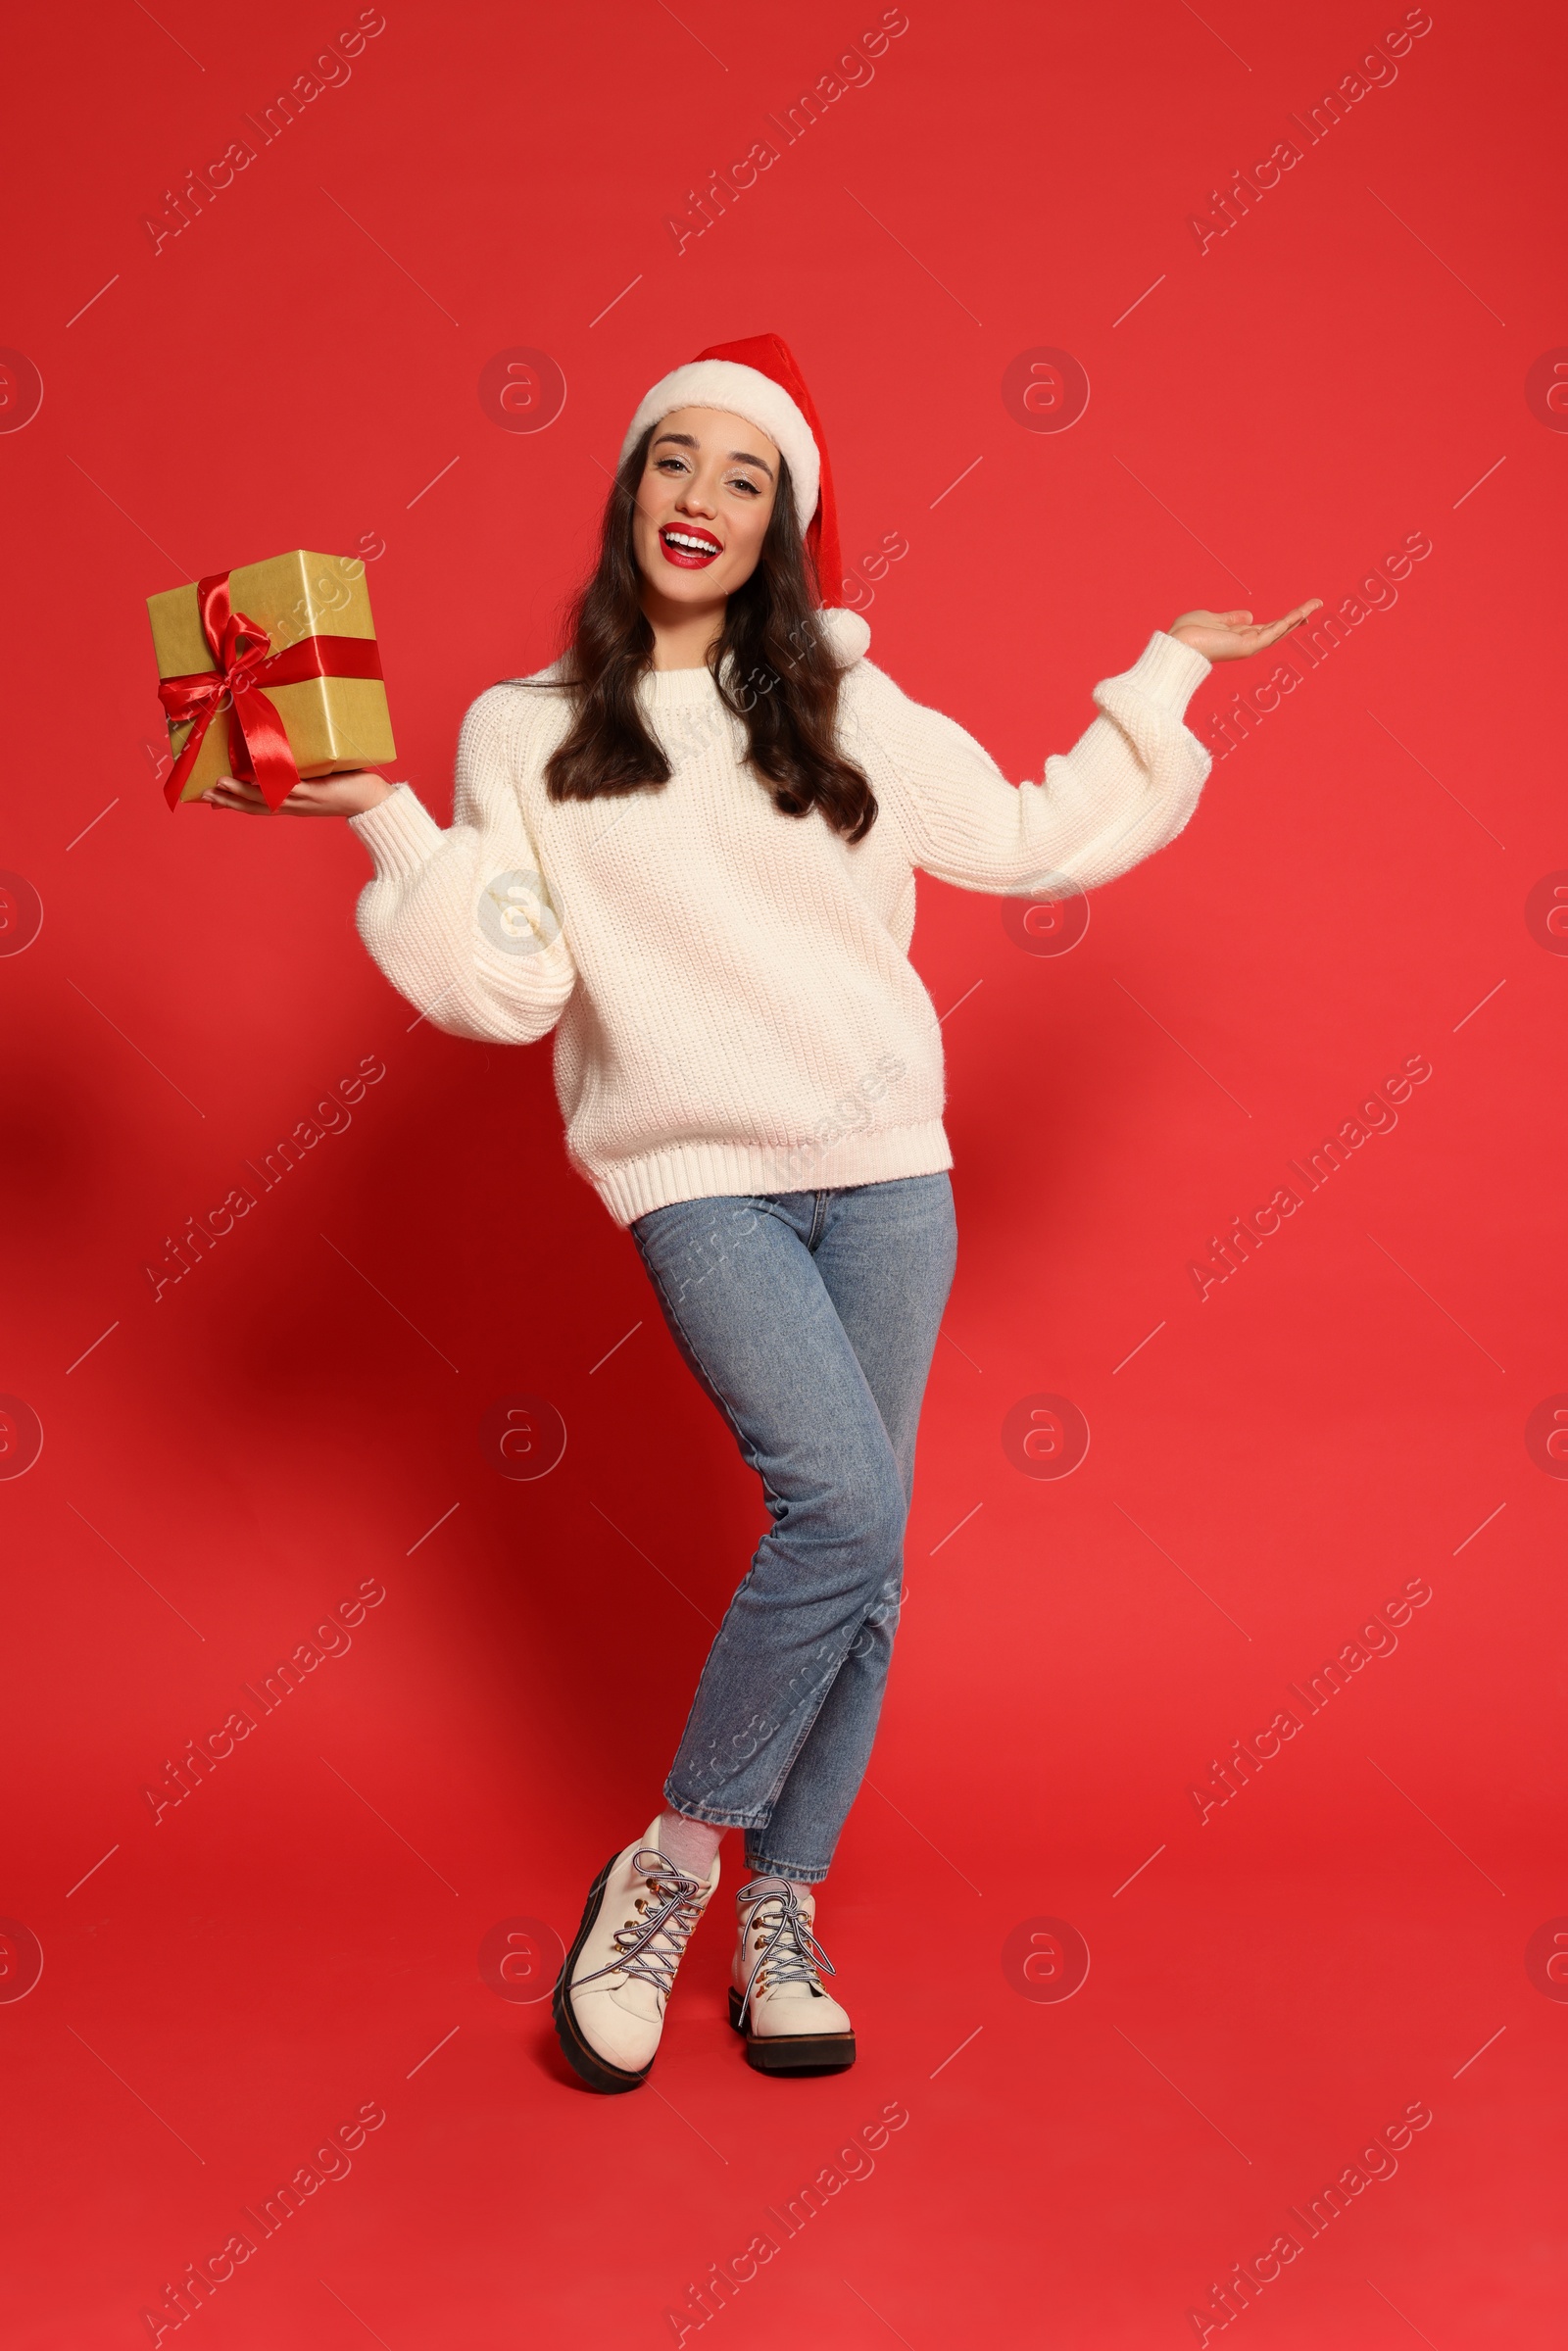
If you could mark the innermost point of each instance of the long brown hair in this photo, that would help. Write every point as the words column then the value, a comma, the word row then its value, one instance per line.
column 773, row 666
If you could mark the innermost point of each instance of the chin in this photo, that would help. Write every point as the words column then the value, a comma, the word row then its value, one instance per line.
column 692, row 587
column 681, row 587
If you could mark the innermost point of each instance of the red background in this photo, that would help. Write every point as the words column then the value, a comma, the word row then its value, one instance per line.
column 228, row 1462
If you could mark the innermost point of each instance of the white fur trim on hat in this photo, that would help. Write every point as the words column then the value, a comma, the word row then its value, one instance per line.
column 744, row 392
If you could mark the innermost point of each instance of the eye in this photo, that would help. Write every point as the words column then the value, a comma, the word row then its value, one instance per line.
column 662, row 462
column 743, row 482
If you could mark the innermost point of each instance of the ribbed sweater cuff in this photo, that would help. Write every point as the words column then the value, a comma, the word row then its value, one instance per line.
column 401, row 834
column 1168, row 672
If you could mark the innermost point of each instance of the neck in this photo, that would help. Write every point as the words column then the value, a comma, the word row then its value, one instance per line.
column 684, row 634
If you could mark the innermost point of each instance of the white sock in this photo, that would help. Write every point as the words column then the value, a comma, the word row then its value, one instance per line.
column 690, row 1845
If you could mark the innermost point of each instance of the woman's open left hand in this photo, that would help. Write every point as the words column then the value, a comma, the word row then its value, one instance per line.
column 1232, row 636
column 349, row 793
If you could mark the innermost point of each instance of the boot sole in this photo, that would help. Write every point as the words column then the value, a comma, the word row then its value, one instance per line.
column 584, row 2060
column 792, row 2052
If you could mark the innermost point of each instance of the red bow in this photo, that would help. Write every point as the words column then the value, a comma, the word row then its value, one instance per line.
column 258, row 743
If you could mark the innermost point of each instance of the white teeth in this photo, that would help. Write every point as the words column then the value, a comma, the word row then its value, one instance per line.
column 677, row 538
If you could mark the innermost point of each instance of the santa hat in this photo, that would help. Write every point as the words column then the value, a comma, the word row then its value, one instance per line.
column 758, row 379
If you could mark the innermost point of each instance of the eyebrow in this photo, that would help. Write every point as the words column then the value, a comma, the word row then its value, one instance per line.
column 742, row 457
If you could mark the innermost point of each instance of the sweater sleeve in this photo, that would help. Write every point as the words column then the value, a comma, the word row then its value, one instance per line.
column 1126, row 788
column 462, row 921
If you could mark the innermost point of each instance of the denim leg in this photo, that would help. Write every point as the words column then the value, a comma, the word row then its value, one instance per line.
column 886, row 1256
column 771, row 1301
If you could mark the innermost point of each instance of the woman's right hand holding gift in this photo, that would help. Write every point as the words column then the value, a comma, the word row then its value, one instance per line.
column 349, row 793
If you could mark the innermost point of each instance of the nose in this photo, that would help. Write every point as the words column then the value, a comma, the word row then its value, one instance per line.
column 696, row 500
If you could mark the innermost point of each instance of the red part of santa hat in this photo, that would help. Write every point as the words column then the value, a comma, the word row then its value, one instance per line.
column 758, row 379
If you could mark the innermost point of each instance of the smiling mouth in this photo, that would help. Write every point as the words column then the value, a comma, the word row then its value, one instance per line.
column 692, row 550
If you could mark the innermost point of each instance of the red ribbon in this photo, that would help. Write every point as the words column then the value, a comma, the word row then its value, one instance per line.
column 258, row 743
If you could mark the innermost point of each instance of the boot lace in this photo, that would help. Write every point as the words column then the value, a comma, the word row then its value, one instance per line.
column 652, row 1944
column 789, row 1950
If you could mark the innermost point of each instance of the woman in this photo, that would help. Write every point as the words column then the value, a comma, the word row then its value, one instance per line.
column 689, row 848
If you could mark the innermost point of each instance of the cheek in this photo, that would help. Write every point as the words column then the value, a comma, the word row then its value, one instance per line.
column 749, row 539
column 643, row 534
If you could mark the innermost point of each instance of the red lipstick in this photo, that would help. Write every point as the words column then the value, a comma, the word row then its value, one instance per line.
column 689, row 546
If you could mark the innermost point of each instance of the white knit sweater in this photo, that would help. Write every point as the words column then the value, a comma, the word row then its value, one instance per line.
column 733, row 1003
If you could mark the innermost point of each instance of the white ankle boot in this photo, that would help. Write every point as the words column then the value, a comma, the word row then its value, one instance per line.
column 792, row 2026
column 610, row 1997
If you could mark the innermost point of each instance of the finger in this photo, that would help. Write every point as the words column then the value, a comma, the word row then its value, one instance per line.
column 1276, row 629
column 230, row 792
column 1262, row 638
column 1231, row 618
column 1258, row 639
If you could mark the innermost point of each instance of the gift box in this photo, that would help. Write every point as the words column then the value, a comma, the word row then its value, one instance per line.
column 270, row 673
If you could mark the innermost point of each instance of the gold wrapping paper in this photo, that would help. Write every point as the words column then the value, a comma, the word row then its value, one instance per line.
column 331, row 722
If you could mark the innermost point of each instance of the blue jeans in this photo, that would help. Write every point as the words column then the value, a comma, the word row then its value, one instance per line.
column 810, row 1319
